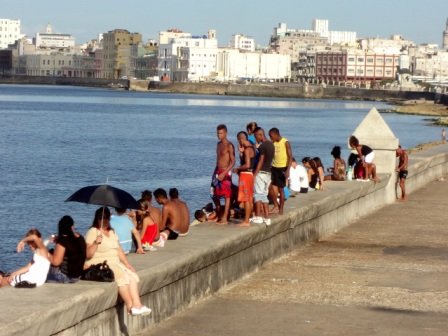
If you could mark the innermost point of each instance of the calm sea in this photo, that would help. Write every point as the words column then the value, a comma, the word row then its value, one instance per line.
column 55, row 140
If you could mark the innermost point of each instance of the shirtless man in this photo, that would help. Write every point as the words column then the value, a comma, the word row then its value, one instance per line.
column 222, row 176
column 402, row 170
column 185, row 212
column 171, row 224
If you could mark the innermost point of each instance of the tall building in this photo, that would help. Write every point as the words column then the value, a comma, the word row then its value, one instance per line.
column 9, row 32
column 120, row 53
column 445, row 36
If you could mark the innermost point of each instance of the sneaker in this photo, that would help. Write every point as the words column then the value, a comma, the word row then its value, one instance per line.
column 267, row 221
column 256, row 220
column 148, row 247
column 143, row 310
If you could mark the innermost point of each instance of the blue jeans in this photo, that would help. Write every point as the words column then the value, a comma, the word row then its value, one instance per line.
column 55, row 275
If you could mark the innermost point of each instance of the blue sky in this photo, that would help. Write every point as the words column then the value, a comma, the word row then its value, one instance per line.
column 420, row 21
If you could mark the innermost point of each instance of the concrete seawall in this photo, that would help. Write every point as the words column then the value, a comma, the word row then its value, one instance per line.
column 211, row 257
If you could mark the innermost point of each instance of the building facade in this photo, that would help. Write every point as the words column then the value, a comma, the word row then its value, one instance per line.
column 188, row 58
column 356, row 66
column 445, row 37
column 50, row 40
column 9, row 32
column 120, row 53
column 243, row 42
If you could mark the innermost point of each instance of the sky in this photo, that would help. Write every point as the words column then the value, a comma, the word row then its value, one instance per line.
column 416, row 20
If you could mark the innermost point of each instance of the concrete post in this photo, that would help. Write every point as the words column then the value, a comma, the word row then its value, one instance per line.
column 374, row 132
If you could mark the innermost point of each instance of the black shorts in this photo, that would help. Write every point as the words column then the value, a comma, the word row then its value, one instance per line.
column 278, row 177
column 173, row 234
column 403, row 174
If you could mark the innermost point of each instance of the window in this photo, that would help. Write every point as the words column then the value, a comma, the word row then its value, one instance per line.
column 388, row 60
column 370, row 60
column 361, row 59
column 351, row 59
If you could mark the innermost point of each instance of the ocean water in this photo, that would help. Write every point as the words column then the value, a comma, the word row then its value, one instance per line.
column 55, row 140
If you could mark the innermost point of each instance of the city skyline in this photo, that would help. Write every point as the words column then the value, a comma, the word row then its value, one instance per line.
column 412, row 19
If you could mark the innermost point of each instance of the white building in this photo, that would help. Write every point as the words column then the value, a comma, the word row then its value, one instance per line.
column 396, row 44
column 9, row 32
column 50, row 40
column 233, row 65
column 188, row 58
column 174, row 33
column 243, row 42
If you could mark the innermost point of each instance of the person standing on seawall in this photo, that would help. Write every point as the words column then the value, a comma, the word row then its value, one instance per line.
column 280, row 169
column 402, row 170
column 222, row 175
column 366, row 155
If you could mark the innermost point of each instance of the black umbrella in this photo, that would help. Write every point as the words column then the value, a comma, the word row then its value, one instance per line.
column 105, row 195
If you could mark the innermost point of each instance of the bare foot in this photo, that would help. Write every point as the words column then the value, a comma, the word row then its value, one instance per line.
column 221, row 222
column 403, row 199
column 244, row 224
column 376, row 180
column 273, row 210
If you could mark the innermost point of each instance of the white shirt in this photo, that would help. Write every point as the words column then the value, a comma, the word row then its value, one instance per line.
column 298, row 178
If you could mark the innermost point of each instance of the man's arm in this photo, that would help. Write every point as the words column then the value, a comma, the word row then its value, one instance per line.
column 289, row 158
column 259, row 164
column 247, row 158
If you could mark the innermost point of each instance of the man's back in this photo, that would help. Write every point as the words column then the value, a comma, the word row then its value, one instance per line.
column 185, row 215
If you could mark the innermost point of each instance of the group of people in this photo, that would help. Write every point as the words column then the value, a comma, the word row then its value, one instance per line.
column 268, row 173
column 110, row 239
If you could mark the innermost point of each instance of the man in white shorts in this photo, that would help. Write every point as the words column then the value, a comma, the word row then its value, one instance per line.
column 262, row 177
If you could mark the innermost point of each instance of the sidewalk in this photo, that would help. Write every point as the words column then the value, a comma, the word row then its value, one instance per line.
column 387, row 274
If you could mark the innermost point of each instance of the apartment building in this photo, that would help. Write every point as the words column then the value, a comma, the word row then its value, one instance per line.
column 119, row 53
column 243, row 42
column 188, row 58
column 9, row 32
column 356, row 66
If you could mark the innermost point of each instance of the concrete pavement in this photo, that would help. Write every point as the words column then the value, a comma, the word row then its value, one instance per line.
column 387, row 274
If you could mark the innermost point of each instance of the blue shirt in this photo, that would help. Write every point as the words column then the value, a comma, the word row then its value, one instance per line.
column 123, row 227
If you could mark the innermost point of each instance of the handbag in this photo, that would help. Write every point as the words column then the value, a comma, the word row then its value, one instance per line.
column 99, row 272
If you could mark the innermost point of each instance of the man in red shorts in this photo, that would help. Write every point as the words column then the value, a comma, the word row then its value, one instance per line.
column 222, row 176
column 246, row 180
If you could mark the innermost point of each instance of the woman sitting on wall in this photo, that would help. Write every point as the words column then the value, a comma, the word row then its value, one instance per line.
column 69, row 255
column 35, row 273
column 339, row 166
column 313, row 173
column 103, row 245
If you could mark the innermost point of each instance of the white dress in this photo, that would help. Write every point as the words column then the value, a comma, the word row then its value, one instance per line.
column 37, row 273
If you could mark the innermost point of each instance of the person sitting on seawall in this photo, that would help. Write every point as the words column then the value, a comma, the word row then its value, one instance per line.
column 298, row 178
column 149, row 219
column 103, row 245
column 185, row 212
column 125, row 229
column 206, row 214
column 35, row 273
column 321, row 172
column 355, row 169
column 172, row 224
column 69, row 255
column 313, row 173
column 339, row 166
column 366, row 155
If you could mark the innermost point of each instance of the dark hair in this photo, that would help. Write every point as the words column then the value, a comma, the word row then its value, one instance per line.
column 258, row 129
column 306, row 159
column 311, row 162
column 250, row 127
column 65, row 226
column 199, row 214
column 146, row 195
column 160, row 193
column 352, row 159
column 120, row 210
column 274, row 130
column 174, row 193
column 353, row 141
column 242, row 132
column 100, row 214
column 221, row 127
column 318, row 162
column 336, row 152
